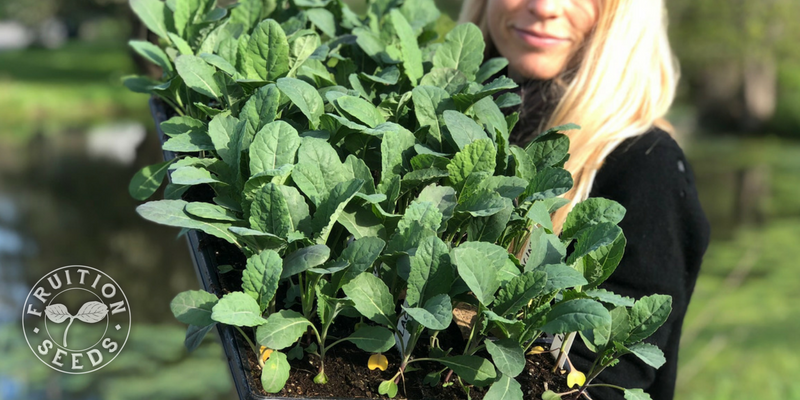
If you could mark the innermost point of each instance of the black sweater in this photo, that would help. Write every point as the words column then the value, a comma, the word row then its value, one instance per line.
column 667, row 234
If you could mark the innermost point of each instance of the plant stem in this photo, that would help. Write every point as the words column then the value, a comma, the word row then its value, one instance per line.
column 252, row 345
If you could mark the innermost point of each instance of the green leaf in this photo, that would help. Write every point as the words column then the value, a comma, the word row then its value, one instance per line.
column 592, row 238
column 298, row 209
column 473, row 369
column 152, row 53
column 261, row 275
column 576, row 315
column 610, row 297
column 273, row 147
column 560, row 276
column 322, row 19
column 267, row 52
column 282, row 329
column 505, row 388
column 198, row 75
column 259, row 110
column 478, row 156
column 371, row 297
column 330, row 210
column 151, row 13
column 171, row 213
column 301, row 48
column 489, row 229
column 372, row 339
column 388, row 388
column 481, row 203
column 192, row 141
column 305, row 97
column 361, row 222
column 361, row 254
column 490, row 116
column 223, row 132
column 436, row 314
column 604, row 261
column 490, row 68
column 591, row 212
column 193, row 307
column 429, row 103
column 596, row 339
column 636, row 394
column 180, row 44
column 431, row 273
column 539, row 213
column 462, row 50
column 478, row 264
column 148, row 180
column 465, row 100
column 359, row 109
column 545, row 249
column 246, row 13
column 180, row 125
column 238, row 309
column 421, row 219
column 269, row 211
column 275, row 372
column 195, row 336
column 449, row 79
column 507, row 355
column 412, row 56
column 192, row 176
column 549, row 182
column 523, row 165
column 650, row 354
column 210, row 211
column 550, row 395
column 420, row 13
column 444, row 197
column 395, row 148
column 548, row 149
column 304, row 259
column 647, row 315
column 463, row 129
column 519, row 291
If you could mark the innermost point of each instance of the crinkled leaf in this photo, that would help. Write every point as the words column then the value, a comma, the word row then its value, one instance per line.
column 267, row 52
column 519, row 291
column 591, row 212
column 261, row 275
column 431, row 273
column 274, row 146
column 647, row 315
column 269, row 211
column 462, row 50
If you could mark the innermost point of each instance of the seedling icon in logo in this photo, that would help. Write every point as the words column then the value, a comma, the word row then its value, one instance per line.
column 104, row 319
column 91, row 312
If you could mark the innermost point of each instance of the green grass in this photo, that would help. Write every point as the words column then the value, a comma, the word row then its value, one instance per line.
column 741, row 330
column 51, row 91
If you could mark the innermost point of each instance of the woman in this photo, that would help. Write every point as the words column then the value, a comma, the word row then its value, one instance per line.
column 607, row 66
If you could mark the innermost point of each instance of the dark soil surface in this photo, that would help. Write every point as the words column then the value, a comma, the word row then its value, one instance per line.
column 346, row 365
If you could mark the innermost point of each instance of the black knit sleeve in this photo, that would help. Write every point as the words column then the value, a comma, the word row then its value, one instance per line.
column 667, row 234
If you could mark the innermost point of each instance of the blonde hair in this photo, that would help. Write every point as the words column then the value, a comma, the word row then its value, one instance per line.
column 623, row 85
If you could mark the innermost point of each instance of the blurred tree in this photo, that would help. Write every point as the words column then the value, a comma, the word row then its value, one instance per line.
column 730, row 52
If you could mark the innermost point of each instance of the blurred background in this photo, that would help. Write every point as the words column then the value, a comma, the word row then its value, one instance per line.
column 71, row 136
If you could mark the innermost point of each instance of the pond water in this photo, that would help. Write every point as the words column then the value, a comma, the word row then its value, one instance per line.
column 64, row 201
